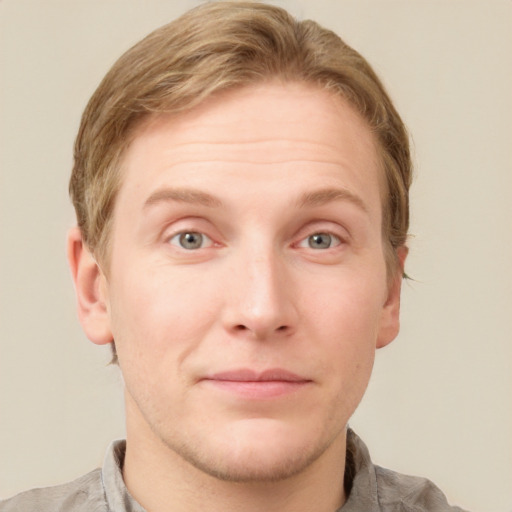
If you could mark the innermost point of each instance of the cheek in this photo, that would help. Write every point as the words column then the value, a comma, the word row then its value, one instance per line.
column 154, row 313
column 349, row 304
column 345, row 321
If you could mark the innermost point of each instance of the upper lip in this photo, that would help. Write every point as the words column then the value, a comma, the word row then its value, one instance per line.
column 248, row 375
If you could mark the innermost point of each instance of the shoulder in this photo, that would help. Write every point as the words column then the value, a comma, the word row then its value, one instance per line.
column 83, row 494
column 404, row 493
column 382, row 490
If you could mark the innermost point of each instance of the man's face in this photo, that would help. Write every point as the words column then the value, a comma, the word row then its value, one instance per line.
column 247, row 286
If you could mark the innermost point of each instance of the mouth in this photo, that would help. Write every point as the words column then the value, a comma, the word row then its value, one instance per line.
column 250, row 384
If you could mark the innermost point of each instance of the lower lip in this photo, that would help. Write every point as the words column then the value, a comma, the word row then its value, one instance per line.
column 259, row 389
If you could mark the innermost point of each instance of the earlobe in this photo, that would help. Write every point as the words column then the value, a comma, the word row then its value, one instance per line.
column 390, row 320
column 90, row 288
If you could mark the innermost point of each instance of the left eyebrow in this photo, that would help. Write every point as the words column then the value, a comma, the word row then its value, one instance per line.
column 328, row 195
column 182, row 195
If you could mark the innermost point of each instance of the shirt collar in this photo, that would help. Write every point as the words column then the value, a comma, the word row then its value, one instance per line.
column 363, row 492
column 117, row 495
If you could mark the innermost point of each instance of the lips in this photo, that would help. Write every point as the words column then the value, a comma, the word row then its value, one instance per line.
column 246, row 375
column 252, row 384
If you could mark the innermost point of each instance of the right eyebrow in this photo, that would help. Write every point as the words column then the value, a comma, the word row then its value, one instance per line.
column 182, row 195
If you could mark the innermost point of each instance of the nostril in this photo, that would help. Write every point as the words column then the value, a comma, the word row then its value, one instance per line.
column 240, row 327
column 282, row 328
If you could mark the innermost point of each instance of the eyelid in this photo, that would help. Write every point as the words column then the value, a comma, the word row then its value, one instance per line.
column 184, row 224
column 329, row 227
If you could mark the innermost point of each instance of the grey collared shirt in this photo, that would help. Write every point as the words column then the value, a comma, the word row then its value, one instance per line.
column 371, row 489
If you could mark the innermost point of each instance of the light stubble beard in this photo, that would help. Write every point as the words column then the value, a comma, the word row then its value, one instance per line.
column 245, row 472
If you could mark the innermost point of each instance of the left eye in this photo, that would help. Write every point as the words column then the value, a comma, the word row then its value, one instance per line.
column 190, row 240
column 320, row 241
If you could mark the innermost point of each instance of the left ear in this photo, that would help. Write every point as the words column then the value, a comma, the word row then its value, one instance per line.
column 390, row 316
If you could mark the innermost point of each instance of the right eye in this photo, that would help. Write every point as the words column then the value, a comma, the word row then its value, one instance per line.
column 191, row 240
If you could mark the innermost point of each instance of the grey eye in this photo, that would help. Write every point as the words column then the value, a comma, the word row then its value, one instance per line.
column 322, row 241
column 190, row 240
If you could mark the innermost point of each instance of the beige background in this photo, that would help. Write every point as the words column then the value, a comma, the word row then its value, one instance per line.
column 440, row 402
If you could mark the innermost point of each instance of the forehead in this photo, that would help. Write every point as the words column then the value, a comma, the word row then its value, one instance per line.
column 253, row 134
column 262, row 111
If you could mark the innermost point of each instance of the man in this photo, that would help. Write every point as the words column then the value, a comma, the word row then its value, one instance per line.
column 241, row 188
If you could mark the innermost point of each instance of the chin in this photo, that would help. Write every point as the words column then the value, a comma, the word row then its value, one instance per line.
column 257, row 452
column 252, row 466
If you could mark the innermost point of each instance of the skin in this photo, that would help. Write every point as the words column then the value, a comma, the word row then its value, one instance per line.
column 283, row 270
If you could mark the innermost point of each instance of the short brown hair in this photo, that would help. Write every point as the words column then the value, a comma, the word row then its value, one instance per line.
column 214, row 47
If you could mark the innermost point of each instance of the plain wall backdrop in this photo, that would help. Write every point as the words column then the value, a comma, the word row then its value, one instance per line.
column 440, row 400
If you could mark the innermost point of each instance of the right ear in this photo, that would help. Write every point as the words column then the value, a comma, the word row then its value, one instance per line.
column 91, row 290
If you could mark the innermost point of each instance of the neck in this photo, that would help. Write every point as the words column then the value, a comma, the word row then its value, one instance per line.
column 162, row 481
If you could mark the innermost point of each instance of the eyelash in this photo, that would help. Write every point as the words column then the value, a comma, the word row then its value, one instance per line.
column 180, row 238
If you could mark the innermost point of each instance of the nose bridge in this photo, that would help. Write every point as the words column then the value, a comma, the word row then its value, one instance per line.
column 262, row 277
column 262, row 302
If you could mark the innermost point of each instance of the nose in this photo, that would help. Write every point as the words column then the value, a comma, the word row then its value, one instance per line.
column 261, row 299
